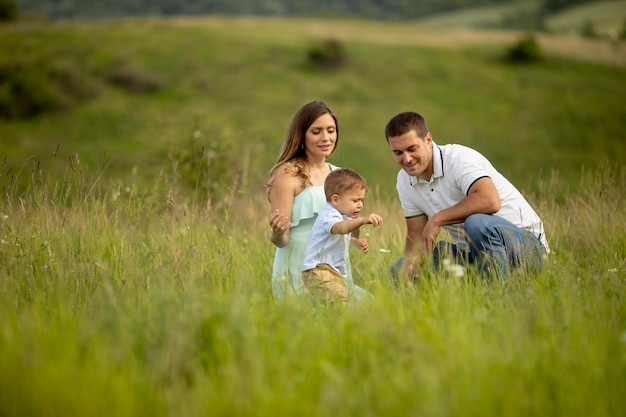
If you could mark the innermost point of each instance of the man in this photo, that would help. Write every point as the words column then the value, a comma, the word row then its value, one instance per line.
column 455, row 187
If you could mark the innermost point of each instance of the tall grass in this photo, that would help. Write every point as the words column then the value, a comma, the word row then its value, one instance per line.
column 112, row 301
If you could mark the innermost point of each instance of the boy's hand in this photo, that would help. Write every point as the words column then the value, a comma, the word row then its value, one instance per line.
column 362, row 244
column 373, row 219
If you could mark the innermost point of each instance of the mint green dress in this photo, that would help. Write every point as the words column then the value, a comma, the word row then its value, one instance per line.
column 287, row 270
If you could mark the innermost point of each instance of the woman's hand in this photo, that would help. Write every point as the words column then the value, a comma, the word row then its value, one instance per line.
column 279, row 223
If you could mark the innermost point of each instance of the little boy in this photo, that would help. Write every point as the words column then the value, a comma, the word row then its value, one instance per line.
column 327, row 258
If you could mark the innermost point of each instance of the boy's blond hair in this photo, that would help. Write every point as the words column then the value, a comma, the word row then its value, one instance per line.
column 341, row 180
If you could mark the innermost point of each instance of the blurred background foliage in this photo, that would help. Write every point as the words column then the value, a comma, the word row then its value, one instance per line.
column 197, row 107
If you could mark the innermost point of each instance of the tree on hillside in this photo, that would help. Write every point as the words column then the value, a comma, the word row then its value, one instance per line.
column 8, row 10
column 588, row 30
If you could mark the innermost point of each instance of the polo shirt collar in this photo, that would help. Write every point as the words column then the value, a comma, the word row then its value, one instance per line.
column 437, row 166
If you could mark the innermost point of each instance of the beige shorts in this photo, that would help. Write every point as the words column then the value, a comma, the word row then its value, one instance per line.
column 326, row 284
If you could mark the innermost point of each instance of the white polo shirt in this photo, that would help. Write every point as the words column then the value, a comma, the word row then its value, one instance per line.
column 455, row 169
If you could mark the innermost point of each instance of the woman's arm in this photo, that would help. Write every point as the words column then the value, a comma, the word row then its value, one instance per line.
column 282, row 194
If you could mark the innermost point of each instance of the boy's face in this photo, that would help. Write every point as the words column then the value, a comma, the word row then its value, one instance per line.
column 349, row 203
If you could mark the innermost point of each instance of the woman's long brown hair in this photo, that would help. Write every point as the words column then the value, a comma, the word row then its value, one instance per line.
column 292, row 155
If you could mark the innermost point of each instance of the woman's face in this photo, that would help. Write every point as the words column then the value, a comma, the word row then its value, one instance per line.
column 320, row 137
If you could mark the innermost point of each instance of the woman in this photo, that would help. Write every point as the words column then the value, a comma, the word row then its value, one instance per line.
column 296, row 194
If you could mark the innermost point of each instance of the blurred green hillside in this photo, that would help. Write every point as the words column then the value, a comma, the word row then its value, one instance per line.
column 203, row 103
column 607, row 17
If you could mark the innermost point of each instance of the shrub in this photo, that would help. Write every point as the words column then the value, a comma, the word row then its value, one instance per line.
column 77, row 83
column 134, row 79
column 526, row 50
column 8, row 11
column 26, row 92
column 588, row 30
column 207, row 163
column 29, row 87
column 329, row 54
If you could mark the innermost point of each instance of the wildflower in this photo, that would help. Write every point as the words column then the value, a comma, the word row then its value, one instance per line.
column 454, row 269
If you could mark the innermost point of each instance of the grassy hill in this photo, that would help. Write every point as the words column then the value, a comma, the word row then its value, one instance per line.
column 234, row 84
column 134, row 259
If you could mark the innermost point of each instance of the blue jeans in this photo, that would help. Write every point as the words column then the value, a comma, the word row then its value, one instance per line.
column 494, row 245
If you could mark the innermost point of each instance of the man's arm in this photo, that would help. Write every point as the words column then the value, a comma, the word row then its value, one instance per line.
column 414, row 249
column 482, row 197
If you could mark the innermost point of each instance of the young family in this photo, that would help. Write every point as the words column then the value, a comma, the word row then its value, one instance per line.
column 316, row 209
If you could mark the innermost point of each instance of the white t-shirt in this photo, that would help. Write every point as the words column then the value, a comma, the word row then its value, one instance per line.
column 325, row 247
column 455, row 169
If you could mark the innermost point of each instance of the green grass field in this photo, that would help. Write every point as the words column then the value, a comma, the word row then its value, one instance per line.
column 134, row 258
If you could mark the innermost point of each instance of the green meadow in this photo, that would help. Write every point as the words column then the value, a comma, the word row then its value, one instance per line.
column 135, row 262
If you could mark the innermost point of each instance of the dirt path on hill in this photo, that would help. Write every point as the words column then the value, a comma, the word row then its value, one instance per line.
column 569, row 46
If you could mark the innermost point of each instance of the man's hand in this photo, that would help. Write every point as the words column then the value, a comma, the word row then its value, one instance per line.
column 411, row 271
column 429, row 235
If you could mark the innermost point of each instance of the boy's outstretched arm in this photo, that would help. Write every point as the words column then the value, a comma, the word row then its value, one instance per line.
column 348, row 226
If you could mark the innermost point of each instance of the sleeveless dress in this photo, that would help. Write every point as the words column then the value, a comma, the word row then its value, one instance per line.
column 287, row 270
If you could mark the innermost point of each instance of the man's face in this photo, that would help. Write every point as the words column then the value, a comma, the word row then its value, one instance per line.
column 414, row 154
